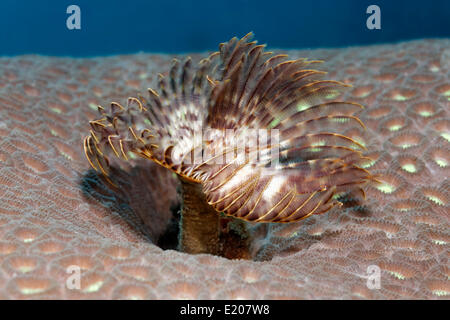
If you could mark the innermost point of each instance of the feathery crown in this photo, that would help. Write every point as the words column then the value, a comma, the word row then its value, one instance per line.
column 302, row 159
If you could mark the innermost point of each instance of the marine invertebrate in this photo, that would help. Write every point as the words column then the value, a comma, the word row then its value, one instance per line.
column 249, row 133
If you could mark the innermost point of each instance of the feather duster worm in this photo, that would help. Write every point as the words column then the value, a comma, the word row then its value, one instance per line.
column 249, row 133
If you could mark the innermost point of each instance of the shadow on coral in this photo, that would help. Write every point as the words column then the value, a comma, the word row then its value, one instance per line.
column 145, row 199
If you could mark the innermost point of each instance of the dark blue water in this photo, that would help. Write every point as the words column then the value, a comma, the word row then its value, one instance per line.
column 128, row 26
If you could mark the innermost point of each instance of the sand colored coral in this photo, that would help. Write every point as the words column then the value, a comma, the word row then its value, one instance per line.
column 55, row 212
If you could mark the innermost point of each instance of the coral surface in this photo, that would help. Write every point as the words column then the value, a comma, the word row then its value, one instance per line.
column 55, row 212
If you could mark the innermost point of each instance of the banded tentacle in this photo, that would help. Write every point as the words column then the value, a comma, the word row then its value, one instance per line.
column 314, row 160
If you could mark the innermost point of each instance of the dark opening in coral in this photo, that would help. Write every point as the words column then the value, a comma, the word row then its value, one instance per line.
column 156, row 218
column 169, row 239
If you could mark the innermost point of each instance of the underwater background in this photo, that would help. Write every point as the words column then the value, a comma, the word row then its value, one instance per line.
column 111, row 27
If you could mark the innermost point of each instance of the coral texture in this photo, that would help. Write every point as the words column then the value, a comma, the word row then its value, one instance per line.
column 55, row 212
